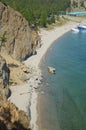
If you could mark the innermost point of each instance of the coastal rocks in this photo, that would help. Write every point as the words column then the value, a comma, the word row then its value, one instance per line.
column 11, row 117
column 20, row 41
column 4, row 78
column 5, row 92
column 35, row 79
column 18, row 72
column 51, row 70
column 4, row 73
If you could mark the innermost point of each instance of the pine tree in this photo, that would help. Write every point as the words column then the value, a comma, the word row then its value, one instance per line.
column 43, row 19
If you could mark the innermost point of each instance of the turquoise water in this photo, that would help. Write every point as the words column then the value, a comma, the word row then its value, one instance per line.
column 77, row 13
column 63, row 105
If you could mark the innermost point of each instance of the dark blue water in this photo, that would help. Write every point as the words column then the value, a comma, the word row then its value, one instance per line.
column 63, row 106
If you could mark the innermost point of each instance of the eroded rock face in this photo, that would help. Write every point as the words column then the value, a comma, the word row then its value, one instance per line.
column 18, row 34
column 4, row 73
column 11, row 118
column 4, row 78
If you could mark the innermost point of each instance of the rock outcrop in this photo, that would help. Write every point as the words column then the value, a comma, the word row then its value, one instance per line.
column 4, row 78
column 18, row 36
column 51, row 70
column 11, row 118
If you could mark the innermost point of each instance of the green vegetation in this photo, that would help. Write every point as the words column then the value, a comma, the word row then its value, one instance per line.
column 3, row 37
column 39, row 12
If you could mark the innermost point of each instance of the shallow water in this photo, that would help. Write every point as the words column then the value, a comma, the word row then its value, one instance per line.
column 63, row 106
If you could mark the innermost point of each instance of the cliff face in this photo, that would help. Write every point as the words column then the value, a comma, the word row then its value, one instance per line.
column 14, row 28
column 11, row 118
column 4, row 78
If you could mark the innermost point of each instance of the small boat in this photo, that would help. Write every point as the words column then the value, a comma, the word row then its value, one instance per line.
column 75, row 29
column 81, row 27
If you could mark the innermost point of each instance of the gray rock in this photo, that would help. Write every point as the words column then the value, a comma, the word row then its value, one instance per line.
column 6, row 92
column 4, row 73
column 51, row 70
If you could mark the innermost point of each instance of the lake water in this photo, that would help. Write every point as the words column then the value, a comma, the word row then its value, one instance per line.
column 63, row 104
column 78, row 13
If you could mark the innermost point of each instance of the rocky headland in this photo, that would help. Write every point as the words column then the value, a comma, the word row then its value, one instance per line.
column 20, row 40
column 17, row 42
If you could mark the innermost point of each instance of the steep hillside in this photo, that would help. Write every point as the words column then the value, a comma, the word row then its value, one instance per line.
column 15, row 33
column 11, row 118
column 78, row 5
column 39, row 12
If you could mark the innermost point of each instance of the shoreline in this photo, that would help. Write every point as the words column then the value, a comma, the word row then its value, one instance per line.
column 30, row 96
column 47, row 39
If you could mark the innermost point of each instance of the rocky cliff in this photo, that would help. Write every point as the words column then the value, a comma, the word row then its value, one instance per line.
column 4, row 78
column 11, row 118
column 15, row 33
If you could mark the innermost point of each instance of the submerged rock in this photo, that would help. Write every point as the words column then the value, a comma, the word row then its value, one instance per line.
column 51, row 70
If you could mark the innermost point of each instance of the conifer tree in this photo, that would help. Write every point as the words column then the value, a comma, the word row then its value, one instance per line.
column 43, row 19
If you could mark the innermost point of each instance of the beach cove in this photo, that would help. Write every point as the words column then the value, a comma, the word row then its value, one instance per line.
column 25, row 96
column 62, row 106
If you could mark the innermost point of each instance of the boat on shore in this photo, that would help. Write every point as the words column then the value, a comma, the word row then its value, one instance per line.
column 75, row 29
column 81, row 27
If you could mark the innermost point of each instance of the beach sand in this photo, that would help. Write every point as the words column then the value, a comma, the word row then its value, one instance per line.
column 25, row 96
column 47, row 38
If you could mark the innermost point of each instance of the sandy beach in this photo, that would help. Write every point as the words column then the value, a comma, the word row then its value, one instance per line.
column 25, row 96
column 47, row 38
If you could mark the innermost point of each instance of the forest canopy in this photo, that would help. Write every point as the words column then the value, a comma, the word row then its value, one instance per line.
column 39, row 12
